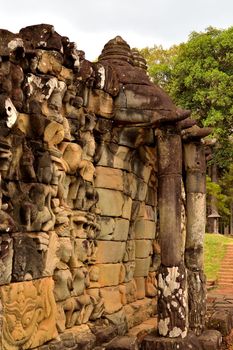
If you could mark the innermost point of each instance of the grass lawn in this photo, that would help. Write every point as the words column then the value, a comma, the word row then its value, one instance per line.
column 214, row 251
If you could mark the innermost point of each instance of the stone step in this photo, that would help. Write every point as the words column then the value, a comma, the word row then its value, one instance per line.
column 225, row 285
column 226, row 267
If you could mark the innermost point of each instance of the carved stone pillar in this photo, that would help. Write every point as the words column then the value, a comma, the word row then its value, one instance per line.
column 194, row 162
column 172, row 294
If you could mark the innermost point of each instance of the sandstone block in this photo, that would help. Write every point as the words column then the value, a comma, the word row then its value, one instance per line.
column 143, row 248
column 211, row 340
column 221, row 321
column 151, row 196
column 121, row 230
column 110, row 202
column 141, row 191
column 145, row 229
column 123, row 343
column 127, row 207
column 107, row 226
column 104, row 333
column 100, row 103
column 121, row 158
column 152, row 341
column 150, row 213
column 112, row 299
column 109, row 178
column 130, row 184
column 139, row 311
column 113, row 229
column 140, row 283
column 129, row 268
column 109, row 274
column 129, row 251
column 84, row 338
column 142, row 267
column 110, row 251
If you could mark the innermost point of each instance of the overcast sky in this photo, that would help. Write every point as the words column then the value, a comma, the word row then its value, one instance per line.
column 91, row 23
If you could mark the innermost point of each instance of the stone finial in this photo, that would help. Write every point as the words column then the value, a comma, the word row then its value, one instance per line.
column 116, row 49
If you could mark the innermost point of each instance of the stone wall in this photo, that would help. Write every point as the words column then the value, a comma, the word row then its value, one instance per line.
column 85, row 151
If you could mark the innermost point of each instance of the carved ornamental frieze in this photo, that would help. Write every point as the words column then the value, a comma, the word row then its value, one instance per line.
column 97, row 184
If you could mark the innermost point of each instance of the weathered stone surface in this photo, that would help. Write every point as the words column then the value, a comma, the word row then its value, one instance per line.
column 109, row 274
column 221, row 321
column 112, row 299
column 104, row 333
column 196, row 203
column 123, row 343
column 113, row 229
column 144, row 328
column 142, row 267
column 196, row 300
column 109, row 178
column 121, row 229
column 141, row 290
column 34, row 302
column 170, row 230
column 194, row 158
column 211, row 340
column 143, row 248
column 92, row 195
column 145, row 229
column 6, row 258
column 152, row 341
column 110, row 202
column 172, row 302
column 110, row 252
column 100, row 103
column 139, row 311
column 29, row 257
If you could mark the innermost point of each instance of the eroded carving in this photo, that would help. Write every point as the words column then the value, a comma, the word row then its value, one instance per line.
column 28, row 314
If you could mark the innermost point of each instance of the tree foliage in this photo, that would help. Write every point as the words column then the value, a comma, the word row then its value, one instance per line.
column 160, row 63
column 198, row 75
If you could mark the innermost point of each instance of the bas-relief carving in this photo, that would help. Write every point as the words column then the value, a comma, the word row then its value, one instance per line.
column 6, row 258
column 28, row 314
column 61, row 118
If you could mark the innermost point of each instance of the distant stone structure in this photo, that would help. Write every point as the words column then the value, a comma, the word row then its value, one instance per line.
column 102, row 198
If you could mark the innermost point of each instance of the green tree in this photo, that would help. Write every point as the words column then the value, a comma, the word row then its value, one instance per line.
column 202, row 80
column 198, row 75
column 160, row 63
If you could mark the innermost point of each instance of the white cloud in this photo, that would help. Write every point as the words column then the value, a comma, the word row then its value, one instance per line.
column 91, row 23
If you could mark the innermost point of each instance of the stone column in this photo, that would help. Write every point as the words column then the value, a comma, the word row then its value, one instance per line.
column 172, row 295
column 194, row 163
